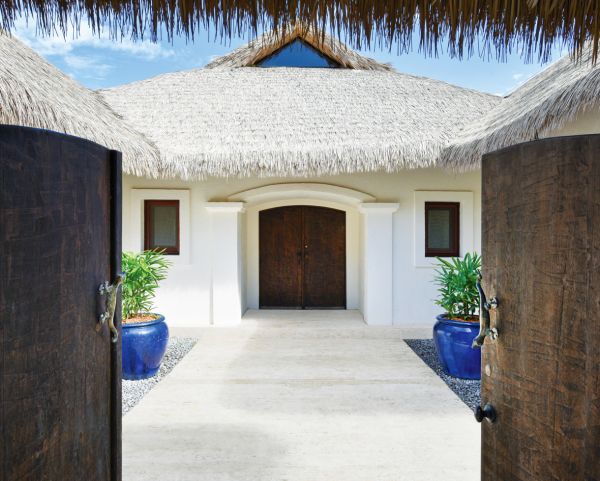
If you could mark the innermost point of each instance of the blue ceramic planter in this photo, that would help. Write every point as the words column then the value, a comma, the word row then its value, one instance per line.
column 453, row 341
column 144, row 345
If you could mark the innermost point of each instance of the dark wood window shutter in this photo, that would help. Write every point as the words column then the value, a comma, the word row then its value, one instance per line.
column 442, row 229
column 161, row 226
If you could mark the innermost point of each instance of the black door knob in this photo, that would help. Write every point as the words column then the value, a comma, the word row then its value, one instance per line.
column 486, row 412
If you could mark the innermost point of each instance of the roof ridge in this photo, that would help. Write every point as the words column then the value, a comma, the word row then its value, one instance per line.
column 201, row 70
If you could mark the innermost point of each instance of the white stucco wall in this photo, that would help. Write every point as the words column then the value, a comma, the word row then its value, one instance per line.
column 587, row 122
column 185, row 296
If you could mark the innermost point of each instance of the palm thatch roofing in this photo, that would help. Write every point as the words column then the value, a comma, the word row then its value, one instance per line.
column 465, row 26
column 543, row 104
column 34, row 93
column 252, row 53
column 250, row 121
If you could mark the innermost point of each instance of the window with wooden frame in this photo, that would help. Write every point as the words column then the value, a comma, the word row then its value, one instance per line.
column 161, row 226
column 442, row 229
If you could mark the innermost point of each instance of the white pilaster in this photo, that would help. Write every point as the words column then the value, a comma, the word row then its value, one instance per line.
column 227, row 263
column 377, row 265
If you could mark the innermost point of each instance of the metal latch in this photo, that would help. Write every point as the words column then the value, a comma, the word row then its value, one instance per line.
column 110, row 291
column 484, row 317
column 486, row 412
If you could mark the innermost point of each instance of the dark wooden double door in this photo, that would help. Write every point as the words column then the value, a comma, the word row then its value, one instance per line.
column 302, row 256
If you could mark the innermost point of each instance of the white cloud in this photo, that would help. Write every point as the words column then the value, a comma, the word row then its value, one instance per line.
column 518, row 79
column 87, row 67
column 59, row 45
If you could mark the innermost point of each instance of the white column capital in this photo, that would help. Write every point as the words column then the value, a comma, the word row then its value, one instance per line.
column 225, row 207
column 378, row 207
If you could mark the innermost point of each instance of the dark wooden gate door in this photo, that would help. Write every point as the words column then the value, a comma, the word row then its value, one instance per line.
column 541, row 255
column 60, row 234
column 302, row 257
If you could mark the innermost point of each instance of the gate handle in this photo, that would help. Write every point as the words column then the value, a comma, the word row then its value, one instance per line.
column 484, row 316
column 110, row 291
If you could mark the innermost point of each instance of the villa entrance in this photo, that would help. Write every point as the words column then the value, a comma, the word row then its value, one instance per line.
column 302, row 258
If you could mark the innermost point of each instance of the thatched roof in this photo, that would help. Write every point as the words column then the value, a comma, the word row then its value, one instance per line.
column 543, row 104
column 502, row 25
column 295, row 121
column 255, row 51
column 34, row 93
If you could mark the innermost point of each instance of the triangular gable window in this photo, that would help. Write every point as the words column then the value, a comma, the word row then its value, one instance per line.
column 298, row 54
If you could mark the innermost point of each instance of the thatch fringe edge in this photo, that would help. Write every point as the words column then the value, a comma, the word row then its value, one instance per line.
column 349, row 160
column 138, row 161
column 465, row 27
column 552, row 114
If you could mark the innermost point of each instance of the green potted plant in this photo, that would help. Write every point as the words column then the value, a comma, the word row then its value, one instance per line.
column 145, row 333
column 455, row 329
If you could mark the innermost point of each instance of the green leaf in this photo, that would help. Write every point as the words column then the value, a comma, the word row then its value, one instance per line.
column 143, row 273
column 457, row 285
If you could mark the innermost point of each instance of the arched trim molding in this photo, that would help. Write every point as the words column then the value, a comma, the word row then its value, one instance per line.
column 302, row 190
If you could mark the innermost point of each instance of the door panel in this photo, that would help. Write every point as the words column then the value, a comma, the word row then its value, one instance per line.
column 280, row 257
column 324, row 258
column 60, row 235
column 541, row 255
column 302, row 257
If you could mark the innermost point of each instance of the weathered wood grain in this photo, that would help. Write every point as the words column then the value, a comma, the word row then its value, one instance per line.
column 541, row 255
column 280, row 257
column 324, row 258
column 116, row 237
column 56, row 370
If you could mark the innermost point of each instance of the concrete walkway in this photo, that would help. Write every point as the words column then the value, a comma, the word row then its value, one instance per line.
column 301, row 396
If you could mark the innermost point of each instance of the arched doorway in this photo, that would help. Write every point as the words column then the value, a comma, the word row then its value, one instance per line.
column 302, row 258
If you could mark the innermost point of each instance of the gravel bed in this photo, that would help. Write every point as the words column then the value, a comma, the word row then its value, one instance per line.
column 467, row 390
column 134, row 391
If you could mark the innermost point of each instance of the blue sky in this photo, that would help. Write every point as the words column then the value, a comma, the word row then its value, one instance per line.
column 99, row 62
